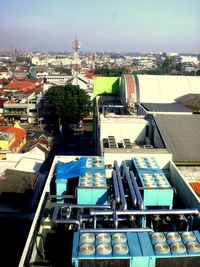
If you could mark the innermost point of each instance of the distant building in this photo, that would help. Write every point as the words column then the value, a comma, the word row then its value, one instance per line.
column 12, row 139
column 22, row 107
column 38, row 72
column 189, row 59
column 5, row 73
column 57, row 79
column 20, row 85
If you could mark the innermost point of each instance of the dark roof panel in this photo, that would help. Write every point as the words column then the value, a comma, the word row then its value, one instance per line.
column 181, row 135
column 14, row 181
column 166, row 107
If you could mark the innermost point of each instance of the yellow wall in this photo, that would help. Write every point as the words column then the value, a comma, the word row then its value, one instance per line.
column 21, row 144
column 5, row 145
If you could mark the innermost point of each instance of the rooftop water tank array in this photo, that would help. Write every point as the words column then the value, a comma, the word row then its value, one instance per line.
column 156, row 188
column 92, row 187
column 135, row 249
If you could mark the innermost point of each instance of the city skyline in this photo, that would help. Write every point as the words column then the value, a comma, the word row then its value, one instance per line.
column 118, row 26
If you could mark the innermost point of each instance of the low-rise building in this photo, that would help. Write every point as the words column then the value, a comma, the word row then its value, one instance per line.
column 22, row 107
column 5, row 73
column 12, row 139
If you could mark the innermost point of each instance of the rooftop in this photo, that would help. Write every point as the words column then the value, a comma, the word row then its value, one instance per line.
column 180, row 134
column 24, row 86
column 166, row 107
column 14, row 181
column 19, row 134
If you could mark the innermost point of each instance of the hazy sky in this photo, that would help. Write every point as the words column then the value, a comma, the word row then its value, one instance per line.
column 101, row 25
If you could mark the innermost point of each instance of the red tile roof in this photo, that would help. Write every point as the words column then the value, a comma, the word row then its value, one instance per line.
column 19, row 134
column 22, row 86
column 91, row 75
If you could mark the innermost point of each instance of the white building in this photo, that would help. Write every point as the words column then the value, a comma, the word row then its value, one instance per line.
column 189, row 59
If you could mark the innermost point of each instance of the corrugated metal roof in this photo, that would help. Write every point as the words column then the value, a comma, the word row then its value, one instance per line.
column 130, row 87
column 165, row 88
column 166, row 107
column 181, row 135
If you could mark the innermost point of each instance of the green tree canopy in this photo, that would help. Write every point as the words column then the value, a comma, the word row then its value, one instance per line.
column 179, row 66
column 167, row 66
column 69, row 103
column 113, row 72
column 63, row 70
column 23, row 59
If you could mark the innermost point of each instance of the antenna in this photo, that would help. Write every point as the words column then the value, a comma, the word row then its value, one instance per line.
column 76, row 45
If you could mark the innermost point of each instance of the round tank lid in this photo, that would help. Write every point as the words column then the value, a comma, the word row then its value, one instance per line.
column 173, row 237
column 162, row 248
column 103, row 238
column 120, row 249
column 87, row 238
column 104, row 249
column 87, row 249
column 188, row 236
column 158, row 237
column 119, row 238
column 178, row 247
column 193, row 247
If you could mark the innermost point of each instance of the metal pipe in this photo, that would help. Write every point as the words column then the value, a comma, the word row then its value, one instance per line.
column 133, row 195
column 137, row 191
column 67, row 221
column 122, row 230
column 121, row 189
column 79, row 216
column 146, row 212
column 115, row 219
column 79, row 206
column 116, row 187
column 116, row 168
column 82, row 206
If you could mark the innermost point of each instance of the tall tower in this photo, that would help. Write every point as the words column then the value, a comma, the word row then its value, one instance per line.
column 93, row 63
column 76, row 45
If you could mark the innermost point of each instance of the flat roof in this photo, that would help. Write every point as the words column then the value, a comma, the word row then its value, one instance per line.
column 166, row 107
column 181, row 136
column 13, row 181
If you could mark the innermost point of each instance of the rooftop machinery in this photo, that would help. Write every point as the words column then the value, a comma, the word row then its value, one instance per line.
column 139, row 249
column 129, row 218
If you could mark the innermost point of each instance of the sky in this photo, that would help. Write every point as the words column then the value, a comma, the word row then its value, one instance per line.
column 101, row 25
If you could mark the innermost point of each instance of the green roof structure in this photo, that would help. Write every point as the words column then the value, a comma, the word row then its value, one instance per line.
column 107, row 85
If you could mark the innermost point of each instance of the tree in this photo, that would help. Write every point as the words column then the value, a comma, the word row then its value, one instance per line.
column 63, row 70
column 179, row 66
column 69, row 104
column 23, row 59
column 167, row 66
column 113, row 72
